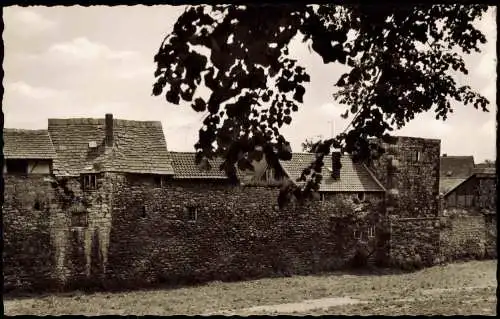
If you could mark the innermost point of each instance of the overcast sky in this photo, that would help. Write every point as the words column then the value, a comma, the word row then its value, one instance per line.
column 87, row 61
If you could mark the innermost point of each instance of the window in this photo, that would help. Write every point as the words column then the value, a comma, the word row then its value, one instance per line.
column 160, row 181
column 416, row 156
column 361, row 196
column 89, row 181
column 371, row 232
column 191, row 213
column 357, row 234
column 143, row 211
column 269, row 174
column 452, row 200
column 79, row 218
column 469, row 200
column 17, row 166
column 322, row 197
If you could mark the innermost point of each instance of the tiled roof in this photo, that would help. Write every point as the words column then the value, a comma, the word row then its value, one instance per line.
column 354, row 177
column 447, row 184
column 185, row 167
column 485, row 170
column 139, row 147
column 456, row 166
column 484, row 165
column 27, row 144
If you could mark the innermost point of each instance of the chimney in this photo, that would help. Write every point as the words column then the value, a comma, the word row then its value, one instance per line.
column 109, row 129
column 336, row 165
column 444, row 155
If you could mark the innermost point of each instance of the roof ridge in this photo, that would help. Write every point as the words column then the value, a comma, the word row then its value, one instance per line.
column 457, row 156
column 100, row 121
column 21, row 130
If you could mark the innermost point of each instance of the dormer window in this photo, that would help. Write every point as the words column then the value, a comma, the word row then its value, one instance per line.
column 17, row 166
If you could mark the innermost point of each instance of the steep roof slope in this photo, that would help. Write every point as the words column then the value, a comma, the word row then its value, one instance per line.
column 456, row 166
column 27, row 144
column 138, row 147
column 447, row 184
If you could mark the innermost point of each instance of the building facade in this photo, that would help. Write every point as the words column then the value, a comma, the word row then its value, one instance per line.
column 113, row 207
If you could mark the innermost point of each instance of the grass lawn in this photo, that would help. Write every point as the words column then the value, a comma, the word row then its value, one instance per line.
column 455, row 289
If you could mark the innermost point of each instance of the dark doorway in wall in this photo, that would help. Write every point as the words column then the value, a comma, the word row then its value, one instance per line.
column 17, row 166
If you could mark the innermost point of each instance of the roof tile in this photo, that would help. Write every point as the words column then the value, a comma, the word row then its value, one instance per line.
column 456, row 166
column 27, row 144
column 134, row 143
column 354, row 177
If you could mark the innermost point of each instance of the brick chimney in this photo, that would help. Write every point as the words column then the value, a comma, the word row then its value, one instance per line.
column 444, row 155
column 336, row 165
column 109, row 129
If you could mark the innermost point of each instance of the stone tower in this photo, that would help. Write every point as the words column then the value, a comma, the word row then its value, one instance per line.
column 409, row 169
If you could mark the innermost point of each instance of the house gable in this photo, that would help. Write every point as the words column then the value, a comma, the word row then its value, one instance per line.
column 27, row 151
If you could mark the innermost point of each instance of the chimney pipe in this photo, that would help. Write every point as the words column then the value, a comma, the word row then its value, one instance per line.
column 444, row 155
column 109, row 129
column 336, row 165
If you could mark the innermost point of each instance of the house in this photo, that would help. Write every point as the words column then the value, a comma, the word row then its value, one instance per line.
column 469, row 196
column 474, row 193
column 86, row 147
column 466, row 185
column 27, row 152
column 453, row 171
column 355, row 179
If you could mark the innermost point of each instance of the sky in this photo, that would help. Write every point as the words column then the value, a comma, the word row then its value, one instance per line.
column 62, row 62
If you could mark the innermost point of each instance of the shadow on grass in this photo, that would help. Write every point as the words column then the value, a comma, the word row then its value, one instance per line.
column 89, row 288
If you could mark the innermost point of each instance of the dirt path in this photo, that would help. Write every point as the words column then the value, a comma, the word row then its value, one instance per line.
column 326, row 303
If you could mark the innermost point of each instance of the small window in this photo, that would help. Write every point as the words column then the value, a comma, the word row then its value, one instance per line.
column 37, row 205
column 371, row 232
column 191, row 213
column 17, row 166
column 89, row 181
column 361, row 196
column 357, row 234
column 143, row 212
column 416, row 156
column 269, row 175
column 469, row 200
column 160, row 181
column 322, row 197
column 79, row 219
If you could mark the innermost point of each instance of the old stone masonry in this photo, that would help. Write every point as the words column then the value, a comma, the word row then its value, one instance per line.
column 103, row 203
